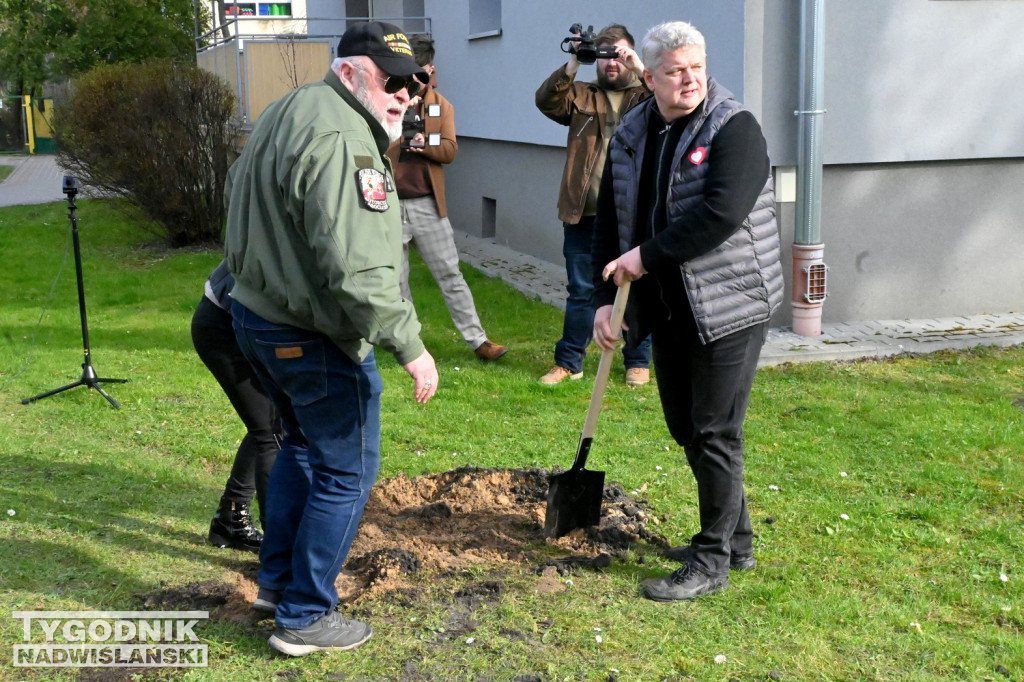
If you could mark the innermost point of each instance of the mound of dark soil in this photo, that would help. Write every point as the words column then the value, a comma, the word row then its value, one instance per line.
column 444, row 523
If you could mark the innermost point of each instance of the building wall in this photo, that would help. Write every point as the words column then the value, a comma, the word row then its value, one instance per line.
column 889, row 67
column 517, row 183
column 918, row 240
column 922, row 145
column 933, row 239
column 492, row 80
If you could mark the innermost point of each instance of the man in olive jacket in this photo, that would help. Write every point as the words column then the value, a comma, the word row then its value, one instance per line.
column 314, row 242
column 591, row 111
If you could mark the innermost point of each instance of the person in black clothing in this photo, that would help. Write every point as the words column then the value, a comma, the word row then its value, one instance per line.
column 214, row 339
column 686, row 212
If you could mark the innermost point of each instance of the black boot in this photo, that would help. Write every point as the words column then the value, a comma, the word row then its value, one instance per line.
column 232, row 527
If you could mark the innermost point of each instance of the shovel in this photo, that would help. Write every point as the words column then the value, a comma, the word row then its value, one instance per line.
column 574, row 497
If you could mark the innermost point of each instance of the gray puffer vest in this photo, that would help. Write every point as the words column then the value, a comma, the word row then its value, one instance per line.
column 739, row 283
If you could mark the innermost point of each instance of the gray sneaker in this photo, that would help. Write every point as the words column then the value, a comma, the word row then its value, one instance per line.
column 332, row 632
column 688, row 582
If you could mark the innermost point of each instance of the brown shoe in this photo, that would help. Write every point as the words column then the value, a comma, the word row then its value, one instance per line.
column 638, row 376
column 489, row 352
column 558, row 374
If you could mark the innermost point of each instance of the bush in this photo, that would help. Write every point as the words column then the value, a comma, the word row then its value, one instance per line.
column 157, row 133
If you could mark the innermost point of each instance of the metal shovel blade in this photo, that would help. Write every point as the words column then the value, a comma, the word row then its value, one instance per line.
column 574, row 497
column 574, row 501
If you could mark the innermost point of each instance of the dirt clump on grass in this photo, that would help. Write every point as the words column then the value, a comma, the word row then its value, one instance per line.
column 450, row 521
column 442, row 524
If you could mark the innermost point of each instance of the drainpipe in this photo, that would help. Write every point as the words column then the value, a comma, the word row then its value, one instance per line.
column 809, row 270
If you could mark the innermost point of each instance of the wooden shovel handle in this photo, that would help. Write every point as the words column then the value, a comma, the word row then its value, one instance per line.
column 601, row 380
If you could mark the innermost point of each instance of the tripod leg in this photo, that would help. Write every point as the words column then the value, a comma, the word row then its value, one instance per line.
column 104, row 394
column 80, row 382
column 90, row 379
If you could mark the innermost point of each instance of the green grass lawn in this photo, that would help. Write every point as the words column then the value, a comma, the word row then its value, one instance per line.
column 887, row 496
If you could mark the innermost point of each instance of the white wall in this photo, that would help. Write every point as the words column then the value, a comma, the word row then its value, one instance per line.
column 922, row 208
column 905, row 80
column 492, row 81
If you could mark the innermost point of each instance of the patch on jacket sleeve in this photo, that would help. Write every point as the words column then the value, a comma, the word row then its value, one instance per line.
column 363, row 161
column 698, row 155
column 371, row 186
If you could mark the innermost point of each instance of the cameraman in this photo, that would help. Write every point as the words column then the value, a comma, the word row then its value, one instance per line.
column 592, row 111
column 428, row 141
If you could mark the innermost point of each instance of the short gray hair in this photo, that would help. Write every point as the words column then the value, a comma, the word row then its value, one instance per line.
column 668, row 37
column 357, row 60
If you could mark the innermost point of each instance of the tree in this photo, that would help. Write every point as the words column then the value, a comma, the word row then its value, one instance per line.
column 128, row 32
column 43, row 40
column 30, row 32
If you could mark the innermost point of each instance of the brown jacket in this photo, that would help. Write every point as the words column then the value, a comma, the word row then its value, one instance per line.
column 583, row 107
column 437, row 154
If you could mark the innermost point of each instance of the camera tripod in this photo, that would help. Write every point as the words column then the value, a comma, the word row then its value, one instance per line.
column 89, row 377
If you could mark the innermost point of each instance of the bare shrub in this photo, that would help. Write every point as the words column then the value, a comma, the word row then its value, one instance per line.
column 158, row 134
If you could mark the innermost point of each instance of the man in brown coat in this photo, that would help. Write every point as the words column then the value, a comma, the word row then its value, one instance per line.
column 591, row 111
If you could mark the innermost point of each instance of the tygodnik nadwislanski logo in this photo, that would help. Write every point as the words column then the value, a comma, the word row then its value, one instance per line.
column 110, row 639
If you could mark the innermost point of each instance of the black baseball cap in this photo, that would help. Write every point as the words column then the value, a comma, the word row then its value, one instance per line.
column 386, row 45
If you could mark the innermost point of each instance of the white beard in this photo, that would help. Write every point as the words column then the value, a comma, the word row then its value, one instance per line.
column 394, row 130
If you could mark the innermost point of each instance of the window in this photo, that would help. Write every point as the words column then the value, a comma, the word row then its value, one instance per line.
column 266, row 10
column 484, row 18
column 240, row 9
column 489, row 221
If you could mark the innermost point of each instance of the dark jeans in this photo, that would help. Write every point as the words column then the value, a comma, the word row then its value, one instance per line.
column 704, row 393
column 578, row 325
column 215, row 343
column 329, row 459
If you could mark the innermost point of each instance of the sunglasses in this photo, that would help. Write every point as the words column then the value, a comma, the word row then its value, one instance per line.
column 393, row 84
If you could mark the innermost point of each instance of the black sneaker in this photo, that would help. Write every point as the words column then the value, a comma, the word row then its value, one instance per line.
column 737, row 562
column 330, row 633
column 267, row 600
column 688, row 582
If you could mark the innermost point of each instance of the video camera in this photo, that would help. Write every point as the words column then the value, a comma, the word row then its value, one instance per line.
column 412, row 125
column 582, row 45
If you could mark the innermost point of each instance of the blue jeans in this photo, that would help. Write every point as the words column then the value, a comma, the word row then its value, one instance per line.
column 329, row 460
column 578, row 325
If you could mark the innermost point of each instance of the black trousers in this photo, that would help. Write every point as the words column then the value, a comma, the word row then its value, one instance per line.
column 214, row 339
column 704, row 393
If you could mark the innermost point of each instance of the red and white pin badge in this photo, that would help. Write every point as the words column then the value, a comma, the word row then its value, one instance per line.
column 698, row 155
